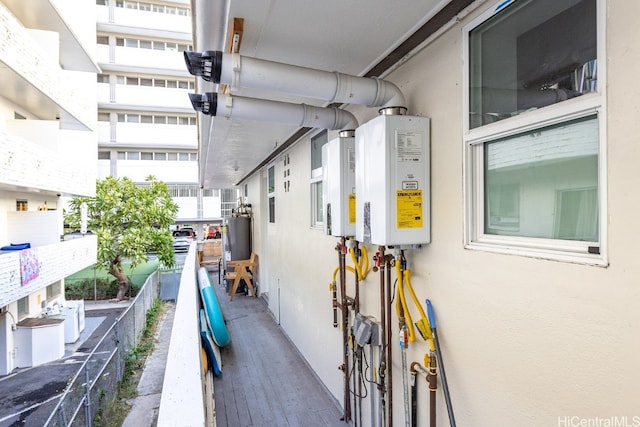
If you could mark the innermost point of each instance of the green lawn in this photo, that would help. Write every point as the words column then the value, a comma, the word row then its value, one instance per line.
column 81, row 285
column 137, row 276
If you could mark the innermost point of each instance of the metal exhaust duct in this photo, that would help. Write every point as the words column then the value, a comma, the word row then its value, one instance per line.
column 242, row 71
column 239, row 107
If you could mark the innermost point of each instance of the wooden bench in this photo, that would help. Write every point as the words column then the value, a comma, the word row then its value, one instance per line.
column 243, row 269
column 211, row 253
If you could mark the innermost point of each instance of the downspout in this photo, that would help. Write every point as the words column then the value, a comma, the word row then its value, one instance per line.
column 239, row 107
column 242, row 71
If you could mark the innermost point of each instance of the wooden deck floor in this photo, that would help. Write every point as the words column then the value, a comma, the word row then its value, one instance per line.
column 265, row 381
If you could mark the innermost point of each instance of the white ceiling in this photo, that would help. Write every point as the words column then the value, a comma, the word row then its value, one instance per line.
column 349, row 36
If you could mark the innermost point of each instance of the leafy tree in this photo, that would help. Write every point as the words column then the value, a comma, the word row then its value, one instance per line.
column 130, row 221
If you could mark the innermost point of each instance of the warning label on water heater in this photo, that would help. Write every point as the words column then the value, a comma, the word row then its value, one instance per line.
column 409, row 209
column 352, row 208
column 409, row 146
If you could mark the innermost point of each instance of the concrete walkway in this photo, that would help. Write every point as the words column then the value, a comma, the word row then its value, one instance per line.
column 144, row 407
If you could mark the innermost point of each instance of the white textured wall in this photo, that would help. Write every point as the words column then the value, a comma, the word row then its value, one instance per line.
column 526, row 342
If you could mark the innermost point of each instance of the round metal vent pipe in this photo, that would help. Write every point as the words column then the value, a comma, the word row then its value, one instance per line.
column 239, row 107
column 242, row 71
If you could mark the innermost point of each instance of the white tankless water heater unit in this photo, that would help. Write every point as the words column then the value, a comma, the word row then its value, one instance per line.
column 393, row 181
column 339, row 186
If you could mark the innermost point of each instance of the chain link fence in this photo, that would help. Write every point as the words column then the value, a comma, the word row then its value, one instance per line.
column 96, row 383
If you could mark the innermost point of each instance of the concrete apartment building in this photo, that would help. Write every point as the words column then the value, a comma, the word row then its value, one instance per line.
column 145, row 121
column 47, row 152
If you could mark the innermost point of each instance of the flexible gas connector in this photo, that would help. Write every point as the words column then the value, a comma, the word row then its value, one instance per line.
column 362, row 264
column 423, row 324
column 401, row 302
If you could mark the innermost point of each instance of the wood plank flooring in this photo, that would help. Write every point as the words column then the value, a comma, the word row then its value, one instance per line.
column 265, row 382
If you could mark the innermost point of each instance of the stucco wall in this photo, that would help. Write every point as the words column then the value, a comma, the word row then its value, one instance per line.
column 526, row 341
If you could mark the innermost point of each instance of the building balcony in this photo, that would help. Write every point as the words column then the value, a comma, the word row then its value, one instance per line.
column 149, row 98
column 69, row 20
column 144, row 61
column 36, row 158
column 26, row 271
column 146, row 23
column 169, row 137
column 35, row 82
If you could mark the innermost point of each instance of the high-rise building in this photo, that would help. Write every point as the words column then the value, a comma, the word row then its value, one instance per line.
column 146, row 125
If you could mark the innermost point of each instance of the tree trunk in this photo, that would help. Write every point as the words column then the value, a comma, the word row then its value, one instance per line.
column 115, row 269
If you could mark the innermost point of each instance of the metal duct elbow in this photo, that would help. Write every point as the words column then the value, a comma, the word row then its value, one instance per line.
column 205, row 64
column 207, row 103
column 242, row 71
column 239, row 107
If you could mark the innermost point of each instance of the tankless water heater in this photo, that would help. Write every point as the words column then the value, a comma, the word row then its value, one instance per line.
column 339, row 186
column 393, row 181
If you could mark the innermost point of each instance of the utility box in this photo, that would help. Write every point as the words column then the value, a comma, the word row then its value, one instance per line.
column 393, row 181
column 339, row 187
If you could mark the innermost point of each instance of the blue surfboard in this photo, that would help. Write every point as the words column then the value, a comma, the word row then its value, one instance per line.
column 210, row 347
column 212, row 310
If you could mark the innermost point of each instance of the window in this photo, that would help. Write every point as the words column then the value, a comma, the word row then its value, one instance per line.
column 159, row 45
column 104, row 117
column 133, row 155
column 103, row 78
column 271, row 192
column 145, row 155
column 23, row 306
column 533, row 132
column 146, row 119
column 317, row 212
column 160, row 156
column 104, row 155
column 104, row 40
column 53, row 290
column 146, row 81
column 145, row 44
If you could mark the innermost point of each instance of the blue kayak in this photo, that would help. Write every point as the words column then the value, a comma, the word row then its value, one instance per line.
column 212, row 310
column 213, row 353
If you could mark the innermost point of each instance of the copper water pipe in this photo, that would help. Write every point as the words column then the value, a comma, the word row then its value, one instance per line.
column 389, row 293
column 345, row 333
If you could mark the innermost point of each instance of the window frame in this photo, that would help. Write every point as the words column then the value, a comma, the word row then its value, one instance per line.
column 315, row 184
column 271, row 193
column 475, row 139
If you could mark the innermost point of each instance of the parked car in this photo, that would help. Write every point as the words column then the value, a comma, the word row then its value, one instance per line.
column 213, row 233
column 182, row 239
